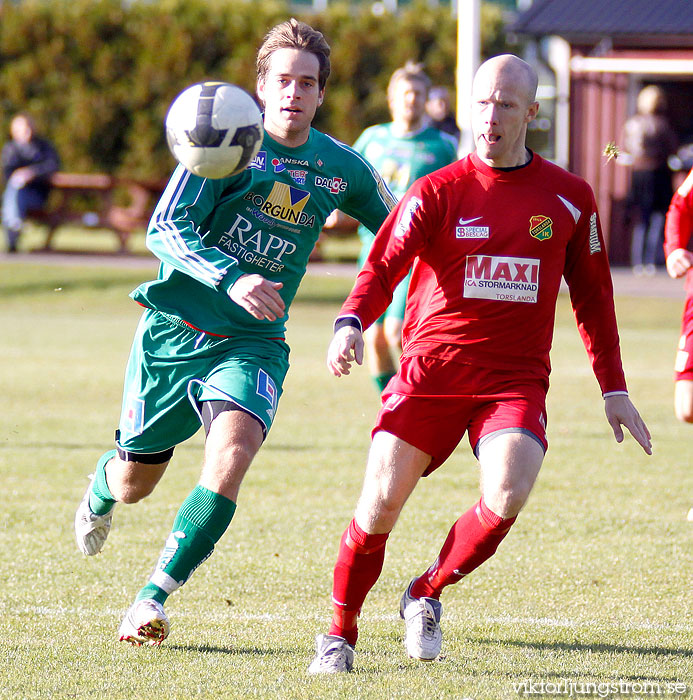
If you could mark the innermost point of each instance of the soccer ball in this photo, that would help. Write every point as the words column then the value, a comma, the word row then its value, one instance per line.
column 214, row 129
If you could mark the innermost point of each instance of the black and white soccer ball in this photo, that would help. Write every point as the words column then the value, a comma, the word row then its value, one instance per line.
column 214, row 129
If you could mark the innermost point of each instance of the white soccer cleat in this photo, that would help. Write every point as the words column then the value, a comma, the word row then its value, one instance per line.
column 91, row 530
column 421, row 616
column 332, row 655
column 145, row 623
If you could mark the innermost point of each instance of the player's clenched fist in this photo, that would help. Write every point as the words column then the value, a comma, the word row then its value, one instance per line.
column 679, row 261
column 346, row 347
column 258, row 296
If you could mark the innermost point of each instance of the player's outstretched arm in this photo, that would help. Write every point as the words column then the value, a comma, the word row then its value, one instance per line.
column 679, row 261
column 346, row 347
column 258, row 296
column 621, row 411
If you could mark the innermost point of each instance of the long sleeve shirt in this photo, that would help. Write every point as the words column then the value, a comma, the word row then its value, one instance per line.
column 489, row 248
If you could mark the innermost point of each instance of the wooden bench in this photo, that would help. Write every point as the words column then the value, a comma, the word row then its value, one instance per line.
column 97, row 201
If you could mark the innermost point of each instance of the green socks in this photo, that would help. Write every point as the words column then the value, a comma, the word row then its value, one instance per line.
column 198, row 526
column 100, row 497
column 381, row 380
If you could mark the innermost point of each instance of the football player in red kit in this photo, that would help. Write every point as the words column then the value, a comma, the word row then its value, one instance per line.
column 489, row 238
column 677, row 236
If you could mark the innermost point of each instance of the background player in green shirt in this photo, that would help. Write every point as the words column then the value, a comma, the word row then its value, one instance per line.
column 209, row 349
column 402, row 151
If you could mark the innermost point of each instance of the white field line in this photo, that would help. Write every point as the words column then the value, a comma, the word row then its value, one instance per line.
column 9, row 611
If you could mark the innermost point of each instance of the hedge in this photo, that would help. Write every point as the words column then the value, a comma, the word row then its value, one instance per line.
column 98, row 75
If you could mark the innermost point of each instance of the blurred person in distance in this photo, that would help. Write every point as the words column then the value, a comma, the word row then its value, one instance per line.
column 28, row 161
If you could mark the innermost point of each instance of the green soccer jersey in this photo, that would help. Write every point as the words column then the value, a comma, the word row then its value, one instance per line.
column 403, row 159
column 266, row 220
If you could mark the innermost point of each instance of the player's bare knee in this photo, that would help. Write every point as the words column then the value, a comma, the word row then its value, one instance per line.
column 135, row 481
column 133, row 495
column 376, row 516
column 387, row 510
column 130, row 481
column 234, row 457
column 507, row 502
column 224, row 469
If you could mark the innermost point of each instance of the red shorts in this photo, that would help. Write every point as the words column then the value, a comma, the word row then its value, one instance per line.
column 683, row 366
column 430, row 404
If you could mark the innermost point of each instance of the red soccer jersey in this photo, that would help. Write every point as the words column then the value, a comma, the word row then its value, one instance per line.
column 679, row 224
column 489, row 248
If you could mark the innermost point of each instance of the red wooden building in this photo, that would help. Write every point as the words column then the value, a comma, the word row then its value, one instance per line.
column 601, row 53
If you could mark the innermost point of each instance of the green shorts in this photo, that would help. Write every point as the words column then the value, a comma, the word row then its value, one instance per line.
column 399, row 296
column 172, row 369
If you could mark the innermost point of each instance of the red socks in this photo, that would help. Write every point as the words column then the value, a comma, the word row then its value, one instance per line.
column 471, row 541
column 358, row 567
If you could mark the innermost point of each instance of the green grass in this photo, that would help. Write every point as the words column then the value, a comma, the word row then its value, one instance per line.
column 592, row 586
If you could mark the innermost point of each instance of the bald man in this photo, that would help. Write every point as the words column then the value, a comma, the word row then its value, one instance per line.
column 488, row 239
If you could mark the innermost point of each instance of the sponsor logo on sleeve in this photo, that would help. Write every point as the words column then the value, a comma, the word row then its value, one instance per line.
column 595, row 245
column 502, row 278
column 406, row 216
column 464, row 230
column 540, row 227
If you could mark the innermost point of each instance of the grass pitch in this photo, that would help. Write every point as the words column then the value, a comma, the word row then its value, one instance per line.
column 592, row 587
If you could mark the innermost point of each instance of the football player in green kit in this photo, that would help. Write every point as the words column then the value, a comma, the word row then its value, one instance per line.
column 209, row 349
column 402, row 151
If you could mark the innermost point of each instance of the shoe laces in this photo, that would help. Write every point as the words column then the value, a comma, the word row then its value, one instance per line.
column 335, row 653
column 428, row 618
column 430, row 623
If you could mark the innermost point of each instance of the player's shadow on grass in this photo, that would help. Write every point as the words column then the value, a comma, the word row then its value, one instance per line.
column 598, row 648
column 234, row 651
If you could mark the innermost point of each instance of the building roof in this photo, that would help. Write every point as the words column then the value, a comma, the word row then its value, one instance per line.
column 614, row 18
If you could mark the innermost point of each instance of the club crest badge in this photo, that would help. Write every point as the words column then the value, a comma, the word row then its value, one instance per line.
column 540, row 227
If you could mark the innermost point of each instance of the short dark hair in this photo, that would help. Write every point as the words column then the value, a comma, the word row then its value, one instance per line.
column 293, row 34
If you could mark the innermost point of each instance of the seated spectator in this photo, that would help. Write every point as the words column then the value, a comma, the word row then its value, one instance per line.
column 28, row 161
